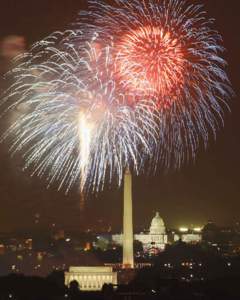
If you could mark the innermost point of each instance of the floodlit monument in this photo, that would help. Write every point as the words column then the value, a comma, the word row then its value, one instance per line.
column 91, row 278
column 155, row 239
column 128, row 258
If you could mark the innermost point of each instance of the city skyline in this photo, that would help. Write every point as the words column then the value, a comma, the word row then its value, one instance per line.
column 206, row 189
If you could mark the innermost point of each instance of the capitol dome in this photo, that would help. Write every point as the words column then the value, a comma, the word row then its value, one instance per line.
column 157, row 225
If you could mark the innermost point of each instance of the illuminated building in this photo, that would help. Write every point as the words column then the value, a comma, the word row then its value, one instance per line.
column 187, row 235
column 156, row 237
column 87, row 247
column 91, row 278
column 28, row 243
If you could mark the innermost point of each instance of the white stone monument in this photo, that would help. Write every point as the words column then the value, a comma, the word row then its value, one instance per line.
column 128, row 258
column 91, row 278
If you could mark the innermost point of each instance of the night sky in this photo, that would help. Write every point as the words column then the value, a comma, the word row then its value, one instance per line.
column 206, row 189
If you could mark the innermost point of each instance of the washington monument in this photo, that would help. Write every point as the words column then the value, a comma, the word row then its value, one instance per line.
column 128, row 258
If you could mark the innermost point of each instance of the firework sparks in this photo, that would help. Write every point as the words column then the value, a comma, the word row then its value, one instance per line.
column 156, row 66
column 137, row 83
column 85, row 130
column 77, row 127
column 166, row 51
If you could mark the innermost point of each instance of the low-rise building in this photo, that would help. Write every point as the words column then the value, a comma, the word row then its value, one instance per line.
column 91, row 278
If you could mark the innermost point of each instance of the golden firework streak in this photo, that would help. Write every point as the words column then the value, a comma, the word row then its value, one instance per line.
column 85, row 130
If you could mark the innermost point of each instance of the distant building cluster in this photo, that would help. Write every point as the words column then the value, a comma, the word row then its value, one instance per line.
column 44, row 251
column 157, row 237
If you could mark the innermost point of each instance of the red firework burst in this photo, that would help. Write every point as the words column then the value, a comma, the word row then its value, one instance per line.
column 150, row 59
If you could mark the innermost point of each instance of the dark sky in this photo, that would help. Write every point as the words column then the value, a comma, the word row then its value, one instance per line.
column 206, row 189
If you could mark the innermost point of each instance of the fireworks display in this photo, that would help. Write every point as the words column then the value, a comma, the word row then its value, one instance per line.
column 134, row 85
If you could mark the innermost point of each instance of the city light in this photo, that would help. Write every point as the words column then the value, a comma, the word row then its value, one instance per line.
column 183, row 229
column 197, row 229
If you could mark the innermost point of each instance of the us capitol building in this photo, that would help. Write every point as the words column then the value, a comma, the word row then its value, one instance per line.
column 156, row 237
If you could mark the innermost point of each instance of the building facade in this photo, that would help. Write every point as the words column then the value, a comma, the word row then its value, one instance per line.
column 153, row 241
column 189, row 238
column 91, row 278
